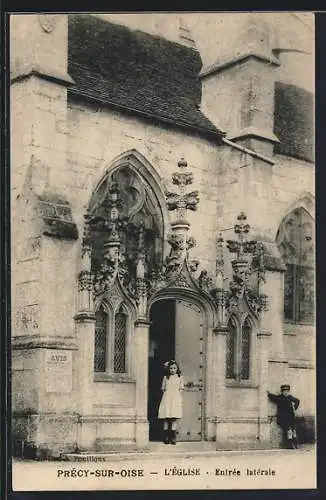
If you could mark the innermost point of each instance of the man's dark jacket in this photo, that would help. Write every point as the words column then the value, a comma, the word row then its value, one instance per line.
column 285, row 408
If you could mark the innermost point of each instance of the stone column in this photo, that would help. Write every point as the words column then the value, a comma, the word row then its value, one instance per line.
column 85, row 333
column 272, row 364
column 39, row 63
column 84, row 366
column 85, row 289
column 272, row 319
column 141, row 371
column 263, row 353
column 219, row 367
column 39, row 81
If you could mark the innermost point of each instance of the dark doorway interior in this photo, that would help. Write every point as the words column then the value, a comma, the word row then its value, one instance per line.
column 161, row 349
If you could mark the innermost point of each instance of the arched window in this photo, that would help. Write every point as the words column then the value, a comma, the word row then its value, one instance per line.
column 245, row 350
column 138, row 208
column 238, row 348
column 120, row 339
column 140, row 226
column 110, row 353
column 101, row 341
column 231, row 349
column 295, row 240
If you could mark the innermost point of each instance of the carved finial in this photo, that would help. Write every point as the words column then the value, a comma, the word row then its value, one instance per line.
column 140, row 271
column 182, row 201
column 111, row 205
column 243, row 267
column 219, row 271
column 113, row 202
column 241, row 246
column 219, row 251
column 260, row 263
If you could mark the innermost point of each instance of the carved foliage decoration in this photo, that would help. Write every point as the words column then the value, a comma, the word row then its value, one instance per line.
column 249, row 263
column 124, row 236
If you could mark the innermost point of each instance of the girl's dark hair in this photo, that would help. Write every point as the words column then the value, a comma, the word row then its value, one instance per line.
column 170, row 363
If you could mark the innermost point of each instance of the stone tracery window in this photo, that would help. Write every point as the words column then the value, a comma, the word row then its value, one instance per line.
column 238, row 348
column 139, row 206
column 295, row 240
column 111, row 338
column 101, row 339
column 120, row 339
column 231, row 349
column 139, row 211
column 245, row 350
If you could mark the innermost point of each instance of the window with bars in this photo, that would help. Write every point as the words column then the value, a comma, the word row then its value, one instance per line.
column 100, row 348
column 120, row 337
column 231, row 349
column 238, row 347
column 295, row 240
column 245, row 350
column 110, row 350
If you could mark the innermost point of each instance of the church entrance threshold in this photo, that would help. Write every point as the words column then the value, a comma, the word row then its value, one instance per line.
column 177, row 333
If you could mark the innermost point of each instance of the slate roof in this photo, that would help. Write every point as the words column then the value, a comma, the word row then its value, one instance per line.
column 136, row 72
column 293, row 121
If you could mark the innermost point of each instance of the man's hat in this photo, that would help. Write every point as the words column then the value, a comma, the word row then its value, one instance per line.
column 285, row 387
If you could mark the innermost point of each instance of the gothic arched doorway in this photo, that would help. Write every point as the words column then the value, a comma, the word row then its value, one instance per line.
column 177, row 332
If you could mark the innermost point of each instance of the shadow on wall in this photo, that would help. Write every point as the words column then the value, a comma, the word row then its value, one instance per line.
column 306, row 430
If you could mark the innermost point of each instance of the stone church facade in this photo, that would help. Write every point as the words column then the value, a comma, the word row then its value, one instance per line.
column 161, row 209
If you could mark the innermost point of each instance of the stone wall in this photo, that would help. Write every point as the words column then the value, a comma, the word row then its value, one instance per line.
column 67, row 147
column 98, row 136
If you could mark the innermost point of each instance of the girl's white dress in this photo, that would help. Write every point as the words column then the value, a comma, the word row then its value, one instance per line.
column 171, row 403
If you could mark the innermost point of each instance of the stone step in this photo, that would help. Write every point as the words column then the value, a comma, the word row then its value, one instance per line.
column 151, row 455
column 113, row 445
column 157, row 450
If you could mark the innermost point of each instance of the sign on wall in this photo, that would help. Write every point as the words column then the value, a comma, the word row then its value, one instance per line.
column 58, row 369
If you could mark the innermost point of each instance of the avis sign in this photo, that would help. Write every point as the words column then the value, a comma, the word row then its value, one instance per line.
column 58, row 368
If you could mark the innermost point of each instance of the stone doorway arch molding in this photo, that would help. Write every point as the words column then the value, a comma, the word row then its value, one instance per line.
column 109, row 276
column 140, row 280
column 149, row 175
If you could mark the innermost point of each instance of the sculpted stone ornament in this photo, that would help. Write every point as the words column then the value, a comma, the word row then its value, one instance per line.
column 123, row 272
column 178, row 269
column 205, row 281
column 249, row 261
column 104, row 277
column 177, row 253
column 85, row 281
column 193, row 265
column 48, row 22
column 191, row 243
column 182, row 281
column 156, row 280
column 133, row 274
column 182, row 201
column 255, row 302
column 240, row 277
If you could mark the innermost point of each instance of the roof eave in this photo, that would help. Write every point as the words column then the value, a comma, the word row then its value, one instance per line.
column 210, row 134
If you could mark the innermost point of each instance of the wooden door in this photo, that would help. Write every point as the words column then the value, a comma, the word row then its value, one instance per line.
column 189, row 345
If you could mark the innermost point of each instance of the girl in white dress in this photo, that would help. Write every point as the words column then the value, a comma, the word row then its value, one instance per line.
column 170, row 409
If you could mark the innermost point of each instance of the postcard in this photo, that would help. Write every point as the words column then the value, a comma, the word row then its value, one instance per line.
column 162, row 251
